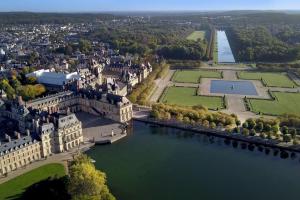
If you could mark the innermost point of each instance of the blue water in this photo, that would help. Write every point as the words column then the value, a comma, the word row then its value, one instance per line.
column 156, row 163
column 224, row 51
column 233, row 87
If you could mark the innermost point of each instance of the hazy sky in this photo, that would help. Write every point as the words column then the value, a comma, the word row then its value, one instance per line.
column 134, row 5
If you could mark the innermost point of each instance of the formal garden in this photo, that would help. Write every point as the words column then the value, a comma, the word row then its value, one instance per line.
column 282, row 102
column 194, row 76
column 269, row 79
column 187, row 96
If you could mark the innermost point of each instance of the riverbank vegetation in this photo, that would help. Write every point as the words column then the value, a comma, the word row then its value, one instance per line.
column 84, row 182
column 142, row 91
column 269, row 129
column 197, row 115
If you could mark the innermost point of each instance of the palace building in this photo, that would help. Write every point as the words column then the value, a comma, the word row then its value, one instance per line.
column 35, row 130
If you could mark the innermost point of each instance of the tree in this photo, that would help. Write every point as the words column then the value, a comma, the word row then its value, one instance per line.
column 275, row 128
column 238, row 123
column 287, row 138
column 245, row 132
column 10, row 92
column 213, row 125
column 85, row 46
column 245, row 125
column 87, row 183
column 259, row 126
column 267, row 127
column 186, row 120
column 252, row 132
column 31, row 80
column 251, row 123
column 293, row 132
column 285, row 130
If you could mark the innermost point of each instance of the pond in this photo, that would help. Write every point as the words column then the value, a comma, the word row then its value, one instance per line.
column 156, row 163
column 233, row 87
column 224, row 50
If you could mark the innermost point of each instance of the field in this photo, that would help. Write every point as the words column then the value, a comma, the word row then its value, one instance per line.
column 270, row 79
column 196, row 35
column 193, row 76
column 185, row 96
column 17, row 185
column 285, row 103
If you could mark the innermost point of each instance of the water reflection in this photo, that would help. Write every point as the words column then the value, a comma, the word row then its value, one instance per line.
column 224, row 50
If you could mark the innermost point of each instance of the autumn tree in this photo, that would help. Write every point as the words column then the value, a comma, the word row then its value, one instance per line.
column 86, row 182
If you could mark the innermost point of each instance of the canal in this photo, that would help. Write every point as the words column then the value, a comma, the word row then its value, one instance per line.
column 224, row 50
column 159, row 163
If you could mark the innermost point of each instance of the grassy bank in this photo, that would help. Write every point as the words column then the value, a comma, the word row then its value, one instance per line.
column 16, row 186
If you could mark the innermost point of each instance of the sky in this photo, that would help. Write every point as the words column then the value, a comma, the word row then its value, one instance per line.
column 145, row 5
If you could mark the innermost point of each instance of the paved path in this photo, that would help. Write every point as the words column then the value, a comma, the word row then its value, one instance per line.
column 161, row 84
column 229, row 75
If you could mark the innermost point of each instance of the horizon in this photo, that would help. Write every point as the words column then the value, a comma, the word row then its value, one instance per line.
column 99, row 6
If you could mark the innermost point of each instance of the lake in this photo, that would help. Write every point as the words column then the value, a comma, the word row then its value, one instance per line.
column 157, row 163
column 233, row 87
column 224, row 50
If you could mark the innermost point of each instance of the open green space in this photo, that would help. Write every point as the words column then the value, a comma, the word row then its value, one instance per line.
column 16, row 186
column 185, row 96
column 269, row 78
column 196, row 35
column 284, row 103
column 194, row 76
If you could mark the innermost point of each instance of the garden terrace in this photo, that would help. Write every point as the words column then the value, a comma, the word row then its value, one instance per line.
column 283, row 102
column 269, row 79
column 185, row 96
column 194, row 76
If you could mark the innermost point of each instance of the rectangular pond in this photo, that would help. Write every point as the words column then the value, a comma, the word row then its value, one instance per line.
column 233, row 87
column 224, row 50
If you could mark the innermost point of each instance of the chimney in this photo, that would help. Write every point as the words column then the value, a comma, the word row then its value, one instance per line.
column 27, row 132
column 18, row 135
column 7, row 137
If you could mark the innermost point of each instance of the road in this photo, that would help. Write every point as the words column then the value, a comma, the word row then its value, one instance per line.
column 161, row 84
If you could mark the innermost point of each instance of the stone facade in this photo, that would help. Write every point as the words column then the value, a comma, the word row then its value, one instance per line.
column 47, row 126
column 111, row 106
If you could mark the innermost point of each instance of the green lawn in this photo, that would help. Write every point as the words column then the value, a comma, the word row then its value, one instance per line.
column 185, row 96
column 17, row 185
column 193, row 76
column 196, row 35
column 285, row 103
column 271, row 79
